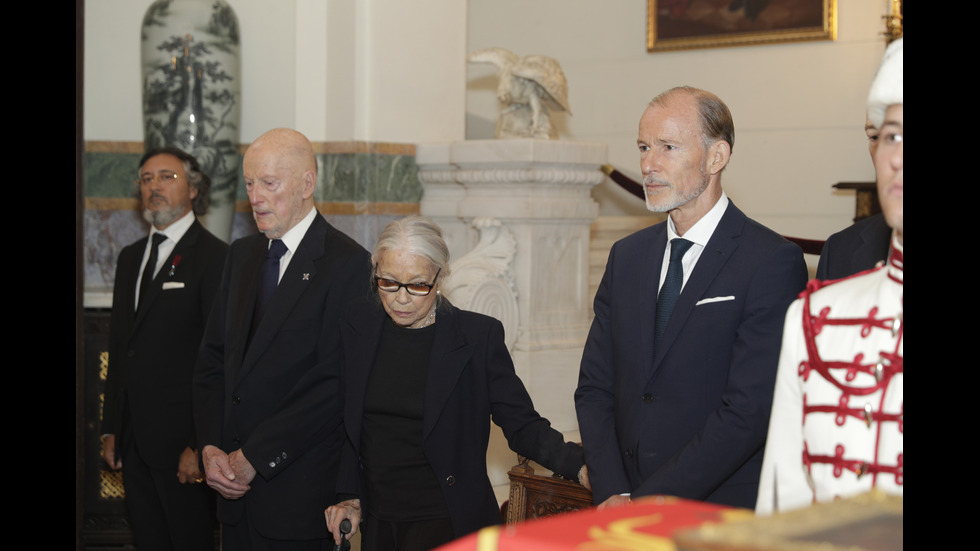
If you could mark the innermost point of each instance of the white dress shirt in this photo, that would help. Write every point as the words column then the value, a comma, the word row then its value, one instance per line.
column 292, row 238
column 699, row 234
column 174, row 232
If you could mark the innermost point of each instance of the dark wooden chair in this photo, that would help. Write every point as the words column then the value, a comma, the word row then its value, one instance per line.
column 534, row 496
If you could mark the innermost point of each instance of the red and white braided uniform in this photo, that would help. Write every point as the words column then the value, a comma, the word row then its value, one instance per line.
column 836, row 428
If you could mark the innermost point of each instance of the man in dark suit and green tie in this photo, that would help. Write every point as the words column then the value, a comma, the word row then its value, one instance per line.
column 677, row 375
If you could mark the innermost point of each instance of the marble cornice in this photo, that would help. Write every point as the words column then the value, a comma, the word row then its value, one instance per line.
column 542, row 175
column 538, row 175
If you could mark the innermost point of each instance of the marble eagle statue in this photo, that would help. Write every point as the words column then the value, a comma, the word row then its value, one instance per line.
column 528, row 86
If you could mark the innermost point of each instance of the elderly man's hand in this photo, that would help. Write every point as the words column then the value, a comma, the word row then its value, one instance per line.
column 244, row 472
column 220, row 475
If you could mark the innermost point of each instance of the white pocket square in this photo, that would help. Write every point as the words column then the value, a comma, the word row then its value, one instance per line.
column 714, row 299
column 173, row 285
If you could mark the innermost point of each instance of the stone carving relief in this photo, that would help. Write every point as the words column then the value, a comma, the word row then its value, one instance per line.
column 528, row 87
column 560, row 255
column 483, row 279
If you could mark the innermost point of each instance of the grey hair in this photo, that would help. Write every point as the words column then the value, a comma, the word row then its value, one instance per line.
column 417, row 235
column 196, row 178
column 714, row 116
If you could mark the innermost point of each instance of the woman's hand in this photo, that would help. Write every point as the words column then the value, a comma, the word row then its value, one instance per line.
column 583, row 478
column 335, row 514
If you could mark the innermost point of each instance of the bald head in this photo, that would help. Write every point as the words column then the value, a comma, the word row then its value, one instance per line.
column 280, row 178
column 291, row 145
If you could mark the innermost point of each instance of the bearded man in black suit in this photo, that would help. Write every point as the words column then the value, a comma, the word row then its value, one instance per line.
column 164, row 287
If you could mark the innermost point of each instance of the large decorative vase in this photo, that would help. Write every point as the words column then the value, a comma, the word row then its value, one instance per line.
column 192, row 92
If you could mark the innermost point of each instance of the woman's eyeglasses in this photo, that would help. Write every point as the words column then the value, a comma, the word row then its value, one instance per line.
column 417, row 289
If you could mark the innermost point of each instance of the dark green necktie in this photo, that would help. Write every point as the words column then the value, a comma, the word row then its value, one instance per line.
column 671, row 289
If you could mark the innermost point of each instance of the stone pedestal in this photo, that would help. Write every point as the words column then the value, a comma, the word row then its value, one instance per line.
column 516, row 215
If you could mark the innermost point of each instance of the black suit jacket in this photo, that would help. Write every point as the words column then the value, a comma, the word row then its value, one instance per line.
column 152, row 355
column 279, row 397
column 471, row 379
column 856, row 248
column 690, row 418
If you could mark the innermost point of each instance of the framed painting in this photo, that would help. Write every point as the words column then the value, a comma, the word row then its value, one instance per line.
column 688, row 24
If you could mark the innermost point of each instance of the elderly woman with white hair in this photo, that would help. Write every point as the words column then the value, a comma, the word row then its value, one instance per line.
column 837, row 423
column 423, row 380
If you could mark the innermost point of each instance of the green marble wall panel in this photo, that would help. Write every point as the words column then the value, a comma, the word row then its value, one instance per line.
column 111, row 175
column 343, row 177
column 369, row 177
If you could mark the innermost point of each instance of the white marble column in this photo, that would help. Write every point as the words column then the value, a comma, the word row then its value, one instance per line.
column 516, row 214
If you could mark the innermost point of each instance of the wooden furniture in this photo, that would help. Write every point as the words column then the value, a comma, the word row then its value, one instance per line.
column 534, row 496
column 865, row 198
column 103, row 506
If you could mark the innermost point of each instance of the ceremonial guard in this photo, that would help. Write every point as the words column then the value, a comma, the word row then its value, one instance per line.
column 837, row 426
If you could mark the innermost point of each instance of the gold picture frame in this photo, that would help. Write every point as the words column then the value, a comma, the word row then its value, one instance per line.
column 690, row 24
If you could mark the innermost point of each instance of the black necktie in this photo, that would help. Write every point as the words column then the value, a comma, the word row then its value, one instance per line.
column 150, row 269
column 269, row 275
column 671, row 289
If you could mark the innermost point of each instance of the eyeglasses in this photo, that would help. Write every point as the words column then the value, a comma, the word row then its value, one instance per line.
column 417, row 289
column 163, row 176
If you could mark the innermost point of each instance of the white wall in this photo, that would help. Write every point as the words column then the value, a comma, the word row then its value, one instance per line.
column 798, row 108
column 371, row 70
column 416, row 71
